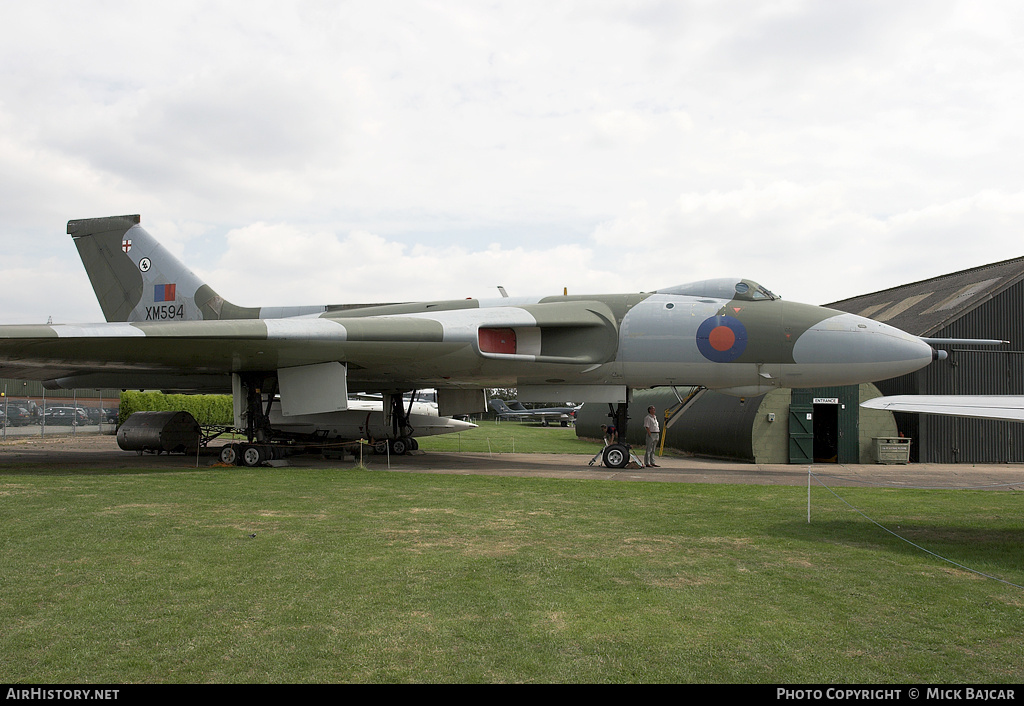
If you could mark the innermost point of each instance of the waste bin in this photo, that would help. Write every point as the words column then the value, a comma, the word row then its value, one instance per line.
column 892, row 449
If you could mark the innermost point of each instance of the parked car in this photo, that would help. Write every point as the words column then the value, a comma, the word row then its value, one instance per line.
column 17, row 416
column 67, row 416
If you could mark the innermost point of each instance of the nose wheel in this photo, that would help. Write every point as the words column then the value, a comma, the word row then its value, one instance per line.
column 616, row 456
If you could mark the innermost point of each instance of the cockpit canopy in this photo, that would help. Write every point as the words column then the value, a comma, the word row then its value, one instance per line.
column 723, row 288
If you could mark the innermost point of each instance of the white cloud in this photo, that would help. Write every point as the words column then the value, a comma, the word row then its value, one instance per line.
column 280, row 264
column 317, row 152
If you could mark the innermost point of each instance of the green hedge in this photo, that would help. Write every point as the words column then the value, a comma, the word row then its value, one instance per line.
column 207, row 409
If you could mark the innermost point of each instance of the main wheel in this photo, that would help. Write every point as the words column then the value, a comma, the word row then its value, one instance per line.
column 253, row 455
column 616, row 456
column 401, row 445
column 229, row 454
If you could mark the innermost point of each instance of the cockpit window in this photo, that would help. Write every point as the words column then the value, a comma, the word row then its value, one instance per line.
column 725, row 288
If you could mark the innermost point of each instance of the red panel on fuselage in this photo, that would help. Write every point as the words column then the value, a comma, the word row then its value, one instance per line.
column 497, row 340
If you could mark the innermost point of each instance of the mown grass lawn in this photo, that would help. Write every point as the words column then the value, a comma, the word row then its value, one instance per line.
column 332, row 575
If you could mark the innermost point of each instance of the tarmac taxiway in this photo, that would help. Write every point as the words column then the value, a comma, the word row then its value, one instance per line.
column 83, row 452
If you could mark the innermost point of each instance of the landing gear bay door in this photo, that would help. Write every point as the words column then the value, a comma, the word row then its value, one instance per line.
column 313, row 389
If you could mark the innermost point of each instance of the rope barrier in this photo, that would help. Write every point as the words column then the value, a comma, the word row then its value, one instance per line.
column 810, row 475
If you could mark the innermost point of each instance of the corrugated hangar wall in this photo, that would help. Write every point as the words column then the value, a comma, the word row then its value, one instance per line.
column 756, row 429
column 982, row 302
column 34, row 388
column 971, row 370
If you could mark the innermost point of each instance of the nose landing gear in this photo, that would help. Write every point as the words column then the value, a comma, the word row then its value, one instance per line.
column 615, row 456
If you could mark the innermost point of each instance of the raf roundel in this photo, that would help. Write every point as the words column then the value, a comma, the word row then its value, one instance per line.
column 721, row 339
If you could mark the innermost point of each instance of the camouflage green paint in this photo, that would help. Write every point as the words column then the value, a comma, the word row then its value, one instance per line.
column 676, row 336
column 114, row 277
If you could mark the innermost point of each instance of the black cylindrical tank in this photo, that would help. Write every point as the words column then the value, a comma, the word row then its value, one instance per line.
column 160, row 432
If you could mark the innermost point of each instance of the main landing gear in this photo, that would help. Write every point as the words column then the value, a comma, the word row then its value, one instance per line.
column 399, row 447
column 257, row 390
column 401, row 441
column 247, row 454
column 258, row 449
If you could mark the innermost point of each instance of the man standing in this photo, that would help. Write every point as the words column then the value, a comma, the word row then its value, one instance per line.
column 653, row 433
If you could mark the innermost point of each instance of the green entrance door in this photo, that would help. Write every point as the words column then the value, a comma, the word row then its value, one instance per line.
column 824, row 425
column 801, row 433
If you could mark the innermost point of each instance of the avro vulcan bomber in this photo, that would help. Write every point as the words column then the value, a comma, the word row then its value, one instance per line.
column 166, row 329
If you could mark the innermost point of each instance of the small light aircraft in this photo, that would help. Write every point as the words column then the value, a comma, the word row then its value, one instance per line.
column 167, row 329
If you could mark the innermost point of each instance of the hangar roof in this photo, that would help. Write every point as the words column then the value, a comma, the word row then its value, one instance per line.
column 921, row 308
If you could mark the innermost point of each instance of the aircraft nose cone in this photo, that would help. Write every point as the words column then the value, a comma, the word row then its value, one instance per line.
column 460, row 425
column 860, row 349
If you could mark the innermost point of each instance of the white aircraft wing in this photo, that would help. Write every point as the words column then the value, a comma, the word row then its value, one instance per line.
column 1006, row 407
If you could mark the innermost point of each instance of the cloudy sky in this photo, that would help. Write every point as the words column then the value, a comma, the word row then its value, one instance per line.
column 330, row 152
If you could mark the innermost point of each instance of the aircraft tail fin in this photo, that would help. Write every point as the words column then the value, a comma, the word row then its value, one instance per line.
column 137, row 279
column 499, row 406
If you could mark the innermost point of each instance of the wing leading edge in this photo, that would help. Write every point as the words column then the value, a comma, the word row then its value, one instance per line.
column 1004, row 407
